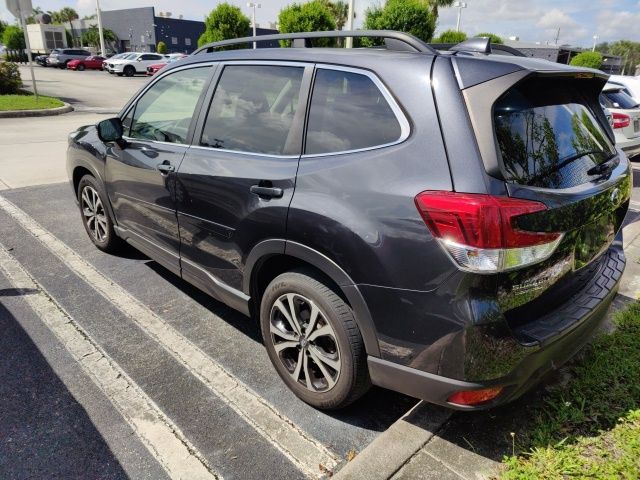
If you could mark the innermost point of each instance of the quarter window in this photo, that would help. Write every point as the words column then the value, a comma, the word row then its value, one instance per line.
column 253, row 110
column 164, row 112
column 348, row 112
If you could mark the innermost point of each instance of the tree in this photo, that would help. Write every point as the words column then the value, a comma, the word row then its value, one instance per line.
column 435, row 4
column 587, row 59
column 450, row 36
column 494, row 38
column 64, row 15
column 13, row 38
column 307, row 17
column 339, row 11
column 91, row 36
column 2, row 27
column 161, row 48
column 630, row 53
column 223, row 23
column 410, row 16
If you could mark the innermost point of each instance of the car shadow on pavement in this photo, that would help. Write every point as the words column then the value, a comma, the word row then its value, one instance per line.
column 376, row 410
column 44, row 431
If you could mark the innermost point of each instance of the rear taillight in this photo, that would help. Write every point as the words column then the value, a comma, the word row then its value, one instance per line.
column 478, row 233
column 620, row 120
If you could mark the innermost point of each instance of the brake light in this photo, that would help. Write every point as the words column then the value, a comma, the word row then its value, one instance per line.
column 620, row 120
column 477, row 230
column 475, row 397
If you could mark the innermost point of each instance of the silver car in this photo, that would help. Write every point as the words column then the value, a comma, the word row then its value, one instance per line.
column 626, row 118
column 62, row 56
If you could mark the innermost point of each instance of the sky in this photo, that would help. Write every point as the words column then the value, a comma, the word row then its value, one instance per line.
column 531, row 20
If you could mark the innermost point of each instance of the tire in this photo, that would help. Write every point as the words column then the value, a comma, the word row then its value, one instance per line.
column 95, row 217
column 81, row 67
column 129, row 71
column 328, row 386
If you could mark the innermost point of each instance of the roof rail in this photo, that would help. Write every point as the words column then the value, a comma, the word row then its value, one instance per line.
column 393, row 40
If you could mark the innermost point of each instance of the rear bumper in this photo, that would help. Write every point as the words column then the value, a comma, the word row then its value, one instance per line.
column 591, row 305
column 632, row 148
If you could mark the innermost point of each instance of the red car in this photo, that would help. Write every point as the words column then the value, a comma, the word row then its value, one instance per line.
column 173, row 57
column 93, row 62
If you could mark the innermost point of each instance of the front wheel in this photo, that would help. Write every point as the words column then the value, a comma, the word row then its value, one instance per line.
column 129, row 71
column 313, row 340
column 95, row 217
column 80, row 67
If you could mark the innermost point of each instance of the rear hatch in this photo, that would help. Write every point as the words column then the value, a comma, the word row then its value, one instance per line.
column 553, row 145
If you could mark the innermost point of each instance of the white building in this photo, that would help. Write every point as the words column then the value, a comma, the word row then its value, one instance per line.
column 44, row 38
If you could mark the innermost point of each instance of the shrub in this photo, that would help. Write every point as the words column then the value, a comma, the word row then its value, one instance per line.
column 450, row 36
column 307, row 17
column 10, row 81
column 587, row 59
column 13, row 38
column 410, row 16
column 494, row 38
column 161, row 48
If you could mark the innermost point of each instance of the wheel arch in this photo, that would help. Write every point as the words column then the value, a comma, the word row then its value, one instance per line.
column 273, row 257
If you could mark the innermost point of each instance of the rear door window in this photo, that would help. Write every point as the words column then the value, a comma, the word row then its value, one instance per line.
column 253, row 110
column 349, row 112
column 548, row 135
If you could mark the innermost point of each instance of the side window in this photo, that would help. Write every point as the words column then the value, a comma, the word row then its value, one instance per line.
column 164, row 112
column 253, row 109
column 348, row 112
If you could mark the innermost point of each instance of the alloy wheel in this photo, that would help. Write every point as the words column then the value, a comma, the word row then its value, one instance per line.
column 94, row 215
column 305, row 342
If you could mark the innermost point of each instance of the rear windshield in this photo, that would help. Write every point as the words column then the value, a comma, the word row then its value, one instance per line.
column 618, row 99
column 548, row 135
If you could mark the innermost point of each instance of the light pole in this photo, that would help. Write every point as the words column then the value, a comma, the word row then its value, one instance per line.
column 100, row 31
column 349, row 42
column 253, row 18
column 459, row 6
column 595, row 39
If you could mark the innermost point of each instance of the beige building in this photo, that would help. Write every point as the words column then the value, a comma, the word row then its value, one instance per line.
column 44, row 38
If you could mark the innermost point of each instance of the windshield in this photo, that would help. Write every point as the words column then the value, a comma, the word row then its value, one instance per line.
column 618, row 99
column 548, row 135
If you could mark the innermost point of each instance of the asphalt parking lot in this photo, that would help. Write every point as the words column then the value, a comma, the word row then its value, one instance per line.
column 105, row 358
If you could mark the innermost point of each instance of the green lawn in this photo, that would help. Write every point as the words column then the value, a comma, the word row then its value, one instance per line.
column 589, row 427
column 27, row 102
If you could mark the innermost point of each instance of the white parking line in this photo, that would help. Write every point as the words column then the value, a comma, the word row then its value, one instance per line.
column 308, row 454
column 161, row 437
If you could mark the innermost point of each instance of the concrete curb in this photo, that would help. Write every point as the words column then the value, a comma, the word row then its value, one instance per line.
column 45, row 112
column 394, row 447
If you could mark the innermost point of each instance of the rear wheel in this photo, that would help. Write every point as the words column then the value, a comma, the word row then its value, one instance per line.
column 129, row 71
column 313, row 341
column 80, row 67
column 95, row 217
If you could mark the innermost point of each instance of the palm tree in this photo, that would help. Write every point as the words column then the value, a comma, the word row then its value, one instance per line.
column 435, row 4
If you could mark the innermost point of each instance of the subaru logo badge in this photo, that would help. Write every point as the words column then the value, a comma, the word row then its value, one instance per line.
column 615, row 196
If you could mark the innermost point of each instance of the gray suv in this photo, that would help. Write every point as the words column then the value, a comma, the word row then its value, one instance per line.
column 60, row 57
column 446, row 224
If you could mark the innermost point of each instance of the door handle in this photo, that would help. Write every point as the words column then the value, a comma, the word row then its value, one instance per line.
column 269, row 192
column 165, row 168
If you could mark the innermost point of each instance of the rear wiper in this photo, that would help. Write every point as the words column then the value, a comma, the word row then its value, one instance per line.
column 603, row 168
column 566, row 161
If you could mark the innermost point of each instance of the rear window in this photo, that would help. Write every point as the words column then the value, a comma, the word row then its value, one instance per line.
column 548, row 135
column 618, row 99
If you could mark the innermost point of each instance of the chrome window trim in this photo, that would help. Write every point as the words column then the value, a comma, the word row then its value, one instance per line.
column 224, row 150
column 405, row 126
column 140, row 94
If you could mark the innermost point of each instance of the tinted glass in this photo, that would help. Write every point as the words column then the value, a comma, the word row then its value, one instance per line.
column 618, row 99
column 548, row 135
column 348, row 112
column 164, row 112
column 253, row 110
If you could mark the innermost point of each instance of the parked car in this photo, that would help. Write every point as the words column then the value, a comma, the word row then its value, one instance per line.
column 625, row 112
column 447, row 226
column 42, row 59
column 152, row 69
column 117, row 56
column 94, row 62
column 631, row 85
column 61, row 57
column 133, row 63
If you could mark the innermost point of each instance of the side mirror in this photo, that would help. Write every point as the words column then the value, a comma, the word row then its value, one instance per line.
column 139, row 59
column 110, row 130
